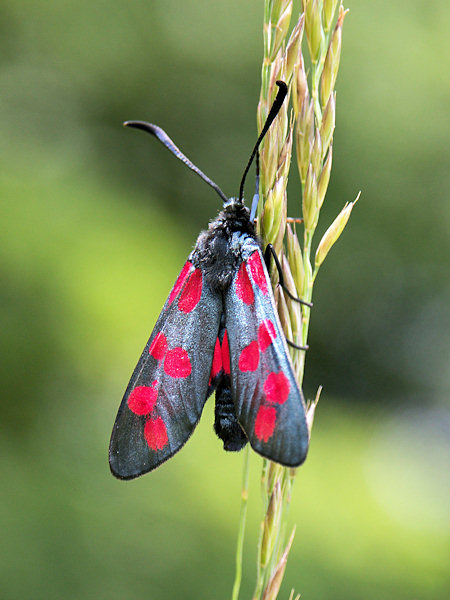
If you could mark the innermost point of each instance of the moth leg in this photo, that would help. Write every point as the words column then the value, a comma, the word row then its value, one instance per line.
column 270, row 252
column 296, row 345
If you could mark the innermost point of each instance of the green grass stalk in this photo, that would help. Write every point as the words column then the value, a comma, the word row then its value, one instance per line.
column 310, row 122
column 241, row 530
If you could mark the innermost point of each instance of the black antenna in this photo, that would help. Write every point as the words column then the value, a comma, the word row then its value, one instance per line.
column 168, row 143
column 276, row 106
column 255, row 200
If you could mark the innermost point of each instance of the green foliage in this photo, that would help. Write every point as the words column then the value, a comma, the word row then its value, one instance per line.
column 95, row 224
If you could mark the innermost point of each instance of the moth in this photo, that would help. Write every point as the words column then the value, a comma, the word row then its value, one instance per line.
column 219, row 332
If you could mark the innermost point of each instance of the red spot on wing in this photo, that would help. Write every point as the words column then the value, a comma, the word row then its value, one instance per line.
column 217, row 360
column 265, row 422
column 276, row 387
column 190, row 296
column 257, row 271
column 244, row 288
column 225, row 354
column 180, row 281
column 158, row 347
column 177, row 363
column 142, row 399
column 155, row 433
column 266, row 334
column 249, row 358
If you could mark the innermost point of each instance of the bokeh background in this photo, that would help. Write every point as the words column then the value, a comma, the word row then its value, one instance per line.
column 96, row 221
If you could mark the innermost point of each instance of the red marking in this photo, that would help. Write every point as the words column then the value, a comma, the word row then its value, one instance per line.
column 249, row 358
column 257, row 271
column 158, row 347
column 266, row 334
column 265, row 422
column 177, row 363
column 244, row 288
column 217, row 360
column 180, row 281
column 277, row 387
column 142, row 399
column 190, row 296
column 155, row 433
column 225, row 354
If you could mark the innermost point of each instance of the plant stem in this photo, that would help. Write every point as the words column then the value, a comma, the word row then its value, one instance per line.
column 242, row 521
column 314, row 126
column 307, row 295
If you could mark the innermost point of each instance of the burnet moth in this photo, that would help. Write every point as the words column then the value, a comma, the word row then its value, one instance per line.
column 219, row 332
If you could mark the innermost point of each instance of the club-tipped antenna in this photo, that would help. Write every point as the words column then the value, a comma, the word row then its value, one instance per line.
column 168, row 143
column 276, row 106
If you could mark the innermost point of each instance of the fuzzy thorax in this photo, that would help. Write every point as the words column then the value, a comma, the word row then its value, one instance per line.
column 225, row 244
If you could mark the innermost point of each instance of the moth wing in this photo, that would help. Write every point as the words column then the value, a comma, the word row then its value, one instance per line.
column 167, row 391
column 269, row 404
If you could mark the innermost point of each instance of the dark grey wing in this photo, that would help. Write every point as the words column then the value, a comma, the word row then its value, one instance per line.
column 168, row 389
column 269, row 404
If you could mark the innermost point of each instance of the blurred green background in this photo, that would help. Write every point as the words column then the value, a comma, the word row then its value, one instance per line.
column 96, row 222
